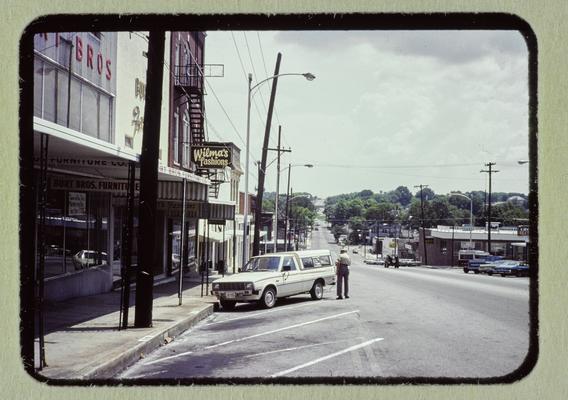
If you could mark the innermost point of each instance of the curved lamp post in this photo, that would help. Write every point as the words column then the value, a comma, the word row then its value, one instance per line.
column 470, row 215
column 309, row 77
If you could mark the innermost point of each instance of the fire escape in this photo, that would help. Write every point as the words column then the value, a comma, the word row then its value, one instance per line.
column 190, row 79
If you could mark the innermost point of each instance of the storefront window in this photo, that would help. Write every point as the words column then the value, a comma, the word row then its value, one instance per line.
column 176, row 139
column 38, row 86
column 62, row 103
column 75, row 120
column 49, row 96
column 89, row 116
column 76, row 231
column 104, row 118
column 90, row 110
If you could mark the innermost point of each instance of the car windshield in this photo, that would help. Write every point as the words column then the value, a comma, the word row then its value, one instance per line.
column 262, row 264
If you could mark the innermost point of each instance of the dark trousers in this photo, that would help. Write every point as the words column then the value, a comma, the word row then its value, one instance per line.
column 343, row 280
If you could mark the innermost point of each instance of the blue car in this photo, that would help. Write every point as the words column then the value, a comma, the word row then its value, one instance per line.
column 473, row 265
column 511, row 267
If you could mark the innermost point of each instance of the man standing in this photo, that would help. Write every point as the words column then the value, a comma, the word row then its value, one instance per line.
column 342, row 270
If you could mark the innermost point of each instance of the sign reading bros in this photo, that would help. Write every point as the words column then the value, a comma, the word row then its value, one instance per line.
column 211, row 157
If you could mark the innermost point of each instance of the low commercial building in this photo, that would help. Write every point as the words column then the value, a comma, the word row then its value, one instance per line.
column 444, row 242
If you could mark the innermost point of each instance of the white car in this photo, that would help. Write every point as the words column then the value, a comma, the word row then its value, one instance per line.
column 88, row 258
column 266, row 278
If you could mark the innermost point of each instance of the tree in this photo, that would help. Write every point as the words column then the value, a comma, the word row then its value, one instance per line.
column 427, row 193
column 403, row 195
column 337, row 231
column 380, row 212
column 509, row 214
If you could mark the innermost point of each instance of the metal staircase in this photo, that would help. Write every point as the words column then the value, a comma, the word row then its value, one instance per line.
column 191, row 79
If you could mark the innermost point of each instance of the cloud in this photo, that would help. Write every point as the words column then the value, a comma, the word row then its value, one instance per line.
column 449, row 47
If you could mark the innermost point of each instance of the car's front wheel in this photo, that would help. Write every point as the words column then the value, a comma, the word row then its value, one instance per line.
column 466, row 270
column 228, row 304
column 268, row 298
column 317, row 291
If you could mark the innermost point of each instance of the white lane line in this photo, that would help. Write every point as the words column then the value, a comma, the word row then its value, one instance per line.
column 168, row 358
column 262, row 313
column 281, row 329
column 148, row 374
column 296, row 348
column 254, row 336
column 358, row 346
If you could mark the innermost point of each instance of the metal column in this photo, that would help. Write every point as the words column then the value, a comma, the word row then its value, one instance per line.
column 128, row 229
column 40, row 277
column 182, row 244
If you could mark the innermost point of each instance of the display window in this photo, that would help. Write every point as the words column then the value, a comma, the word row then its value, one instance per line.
column 76, row 231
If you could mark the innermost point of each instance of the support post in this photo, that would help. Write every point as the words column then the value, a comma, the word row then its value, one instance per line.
column 149, row 180
column 182, row 257
column 261, row 175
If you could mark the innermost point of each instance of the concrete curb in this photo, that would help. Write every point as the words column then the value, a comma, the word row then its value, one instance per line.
column 117, row 364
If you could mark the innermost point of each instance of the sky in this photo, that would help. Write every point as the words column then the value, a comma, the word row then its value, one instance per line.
column 387, row 108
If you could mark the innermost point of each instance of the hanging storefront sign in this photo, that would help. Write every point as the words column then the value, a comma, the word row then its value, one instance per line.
column 65, row 162
column 91, row 185
column 211, row 157
column 77, row 204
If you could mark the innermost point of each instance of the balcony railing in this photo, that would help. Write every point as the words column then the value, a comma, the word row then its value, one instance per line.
column 191, row 75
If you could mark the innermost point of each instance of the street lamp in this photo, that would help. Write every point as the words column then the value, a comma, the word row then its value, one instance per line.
column 309, row 77
column 290, row 166
column 470, row 215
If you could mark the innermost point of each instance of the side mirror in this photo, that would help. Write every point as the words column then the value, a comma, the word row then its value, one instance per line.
column 286, row 268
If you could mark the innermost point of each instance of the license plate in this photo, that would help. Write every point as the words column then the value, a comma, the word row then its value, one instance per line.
column 230, row 295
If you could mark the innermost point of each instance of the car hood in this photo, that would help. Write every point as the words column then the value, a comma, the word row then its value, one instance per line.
column 249, row 276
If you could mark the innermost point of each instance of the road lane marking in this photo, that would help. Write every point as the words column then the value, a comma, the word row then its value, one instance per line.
column 358, row 346
column 168, row 358
column 297, row 348
column 280, row 329
column 148, row 374
column 283, row 308
column 251, row 337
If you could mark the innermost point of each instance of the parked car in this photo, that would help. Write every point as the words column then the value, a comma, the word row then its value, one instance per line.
column 355, row 251
column 475, row 263
column 88, row 258
column 374, row 261
column 511, row 267
column 487, row 268
column 269, row 277
column 408, row 262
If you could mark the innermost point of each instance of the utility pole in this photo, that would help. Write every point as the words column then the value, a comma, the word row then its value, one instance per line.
column 422, row 222
column 149, row 181
column 258, row 211
column 279, row 150
column 489, row 171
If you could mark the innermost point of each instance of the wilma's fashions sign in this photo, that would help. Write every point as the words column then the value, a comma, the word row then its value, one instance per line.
column 211, row 157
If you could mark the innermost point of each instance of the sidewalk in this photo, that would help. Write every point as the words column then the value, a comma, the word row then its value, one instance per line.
column 82, row 339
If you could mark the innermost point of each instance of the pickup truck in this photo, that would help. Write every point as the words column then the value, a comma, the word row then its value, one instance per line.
column 473, row 265
column 266, row 278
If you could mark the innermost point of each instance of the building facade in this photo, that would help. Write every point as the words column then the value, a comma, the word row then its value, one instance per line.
column 89, row 99
column 444, row 242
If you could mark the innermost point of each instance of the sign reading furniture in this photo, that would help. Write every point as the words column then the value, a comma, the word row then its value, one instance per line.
column 211, row 157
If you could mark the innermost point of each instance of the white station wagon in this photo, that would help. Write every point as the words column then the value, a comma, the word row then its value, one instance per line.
column 266, row 278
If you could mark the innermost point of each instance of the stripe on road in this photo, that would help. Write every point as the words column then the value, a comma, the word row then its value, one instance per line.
column 253, row 336
column 168, row 358
column 281, row 329
column 358, row 346
column 296, row 348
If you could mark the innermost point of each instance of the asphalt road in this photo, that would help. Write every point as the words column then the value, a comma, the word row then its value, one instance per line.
column 406, row 322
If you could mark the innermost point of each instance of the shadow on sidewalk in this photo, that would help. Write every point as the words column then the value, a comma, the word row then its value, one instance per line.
column 64, row 315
